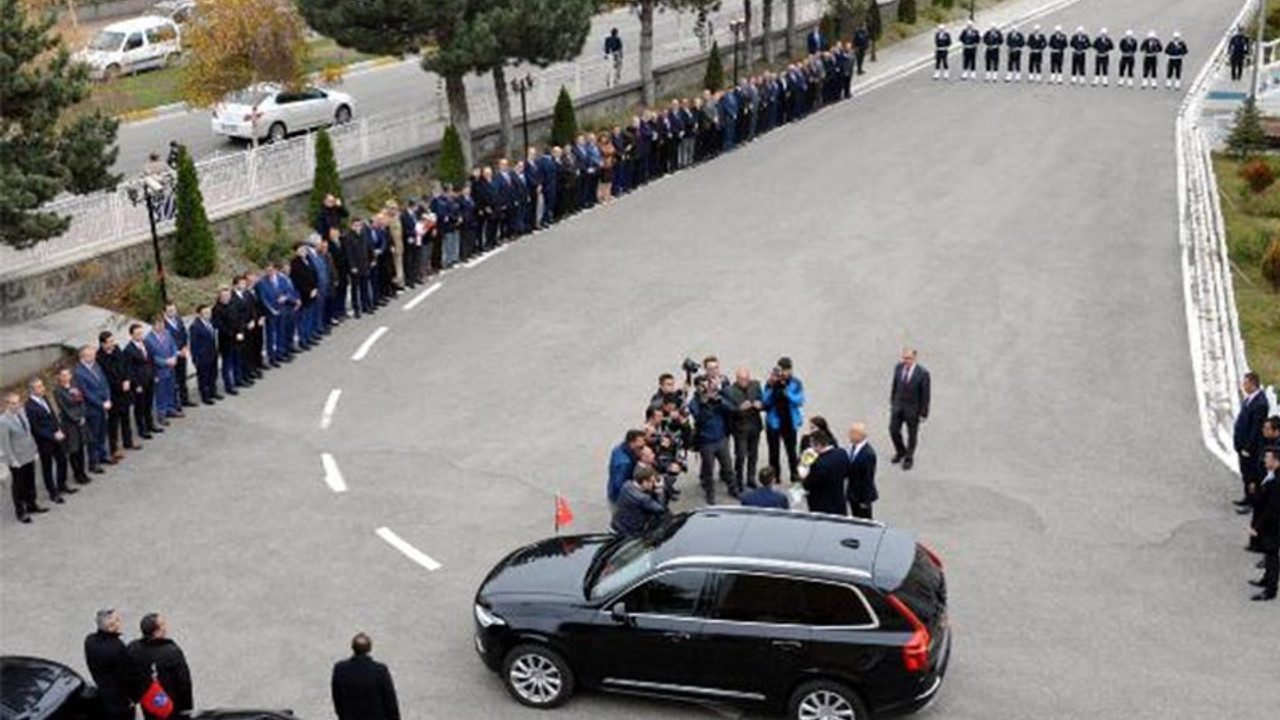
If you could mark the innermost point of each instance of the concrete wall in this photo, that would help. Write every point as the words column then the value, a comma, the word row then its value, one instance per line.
column 57, row 288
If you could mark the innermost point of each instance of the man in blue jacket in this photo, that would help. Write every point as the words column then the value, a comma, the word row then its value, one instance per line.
column 204, row 353
column 622, row 462
column 94, row 386
column 783, row 399
column 1247, row 434
column 766, row 496
column 711, row 422
column 178, row 334
column 164, row 356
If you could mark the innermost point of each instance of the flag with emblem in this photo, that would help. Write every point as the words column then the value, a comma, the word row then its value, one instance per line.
column 155, row 701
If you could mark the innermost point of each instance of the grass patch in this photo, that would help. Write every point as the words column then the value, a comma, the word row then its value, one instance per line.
column 1252, row 219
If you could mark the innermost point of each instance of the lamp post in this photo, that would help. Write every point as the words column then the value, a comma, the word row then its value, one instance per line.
column 737, row 26
column 151, row 195
column 523, row 86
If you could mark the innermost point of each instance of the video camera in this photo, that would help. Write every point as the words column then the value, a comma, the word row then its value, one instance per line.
column 691, row 368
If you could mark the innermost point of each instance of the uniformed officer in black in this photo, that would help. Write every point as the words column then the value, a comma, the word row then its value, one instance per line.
column 1128, row 50
column 1080, row 45
column 1151, row 49
column 1036, row 43
column 992, row 39
column 1237, row 51
column 1176, row 50
column 1015, row 41
column 1102, row 47
column 969, row 39
column 941, row 49
column 1057, row 50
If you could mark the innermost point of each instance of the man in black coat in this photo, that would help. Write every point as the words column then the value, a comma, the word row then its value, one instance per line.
column 119, row 683
column 204, row 353
column 745, row 400
column 826, row 478
column 155, row 655
column 230, row 325
column 861, row 491
column 362, row 687
column 908, row 405
column 356, row 243
column 142, row 376
column 1265, row 528
column 1247, row 437
column 111, row 360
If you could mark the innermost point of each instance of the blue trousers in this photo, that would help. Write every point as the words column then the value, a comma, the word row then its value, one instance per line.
column 166, row 392
column 275, row 336
column 232, row 371
column 96, row 427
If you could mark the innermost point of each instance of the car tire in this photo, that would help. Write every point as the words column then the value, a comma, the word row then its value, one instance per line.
column 824, row 699
column 342, row 116
column 277, row 132
column 537, row 676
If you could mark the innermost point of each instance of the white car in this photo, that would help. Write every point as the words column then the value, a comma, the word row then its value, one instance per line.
column 269, row 112
column 132, row 45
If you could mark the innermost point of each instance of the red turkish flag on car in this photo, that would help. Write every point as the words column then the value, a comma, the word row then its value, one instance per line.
column 564, row 516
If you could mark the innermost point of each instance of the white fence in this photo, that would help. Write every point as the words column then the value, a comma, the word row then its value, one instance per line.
column 240, row 181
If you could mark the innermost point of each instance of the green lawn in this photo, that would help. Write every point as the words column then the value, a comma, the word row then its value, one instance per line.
column 162, row 87
column 1251, row 221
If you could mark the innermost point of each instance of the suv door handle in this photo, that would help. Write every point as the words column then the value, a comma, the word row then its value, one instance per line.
column 787, row 645
column 676, row 636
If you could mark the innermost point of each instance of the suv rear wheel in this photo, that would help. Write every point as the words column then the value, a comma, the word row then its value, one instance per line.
column 537, row 676
column 826, row 700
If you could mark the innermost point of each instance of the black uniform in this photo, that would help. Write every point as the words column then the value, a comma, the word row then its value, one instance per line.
column 1015, row 41
column 941, row 49
column 1102, row 47
column 1057, row 50
column 992, row 40
column 1036, row 43
column 1128, row 49
column 1176, row 50
column 1151, row 49
column 1266, row 525
column 970, row 38
column 164, row 658
column 1080, row 45
column 362, row 689
column 1237, row 51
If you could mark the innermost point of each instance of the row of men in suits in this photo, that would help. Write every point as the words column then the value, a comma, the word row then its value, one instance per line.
column 1256, row 438
column 1057, row 43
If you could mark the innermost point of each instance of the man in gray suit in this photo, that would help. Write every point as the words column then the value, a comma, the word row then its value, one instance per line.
column 745, row 400
column 908, row 405
column 18, row 448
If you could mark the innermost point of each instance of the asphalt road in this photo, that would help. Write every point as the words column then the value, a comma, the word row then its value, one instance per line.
column 404, row 88
column 1025, row 239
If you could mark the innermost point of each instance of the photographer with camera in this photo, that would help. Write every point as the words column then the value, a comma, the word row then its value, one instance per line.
column 667, row 442
column 783, row 399
column 667, row 388
column 622, row 462
column 637, row 510
column 745, row 400
column 711, row 427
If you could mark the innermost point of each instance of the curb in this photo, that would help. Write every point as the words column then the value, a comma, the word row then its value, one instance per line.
column 367, row 65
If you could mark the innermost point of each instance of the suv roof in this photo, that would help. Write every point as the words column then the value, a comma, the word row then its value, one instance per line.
column 829, row 543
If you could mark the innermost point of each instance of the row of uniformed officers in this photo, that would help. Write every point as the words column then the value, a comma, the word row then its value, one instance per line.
column 1057, row 43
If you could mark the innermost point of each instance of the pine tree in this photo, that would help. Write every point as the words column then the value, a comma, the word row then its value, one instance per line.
column 875, row 23
column 944, row 4
column 907, row 11
column 44, row 154
column 327, row 180
column 713, row 80
column 564, row 126
column 1247, row 137
column 452, row 167
column 1271, row 264
column 195, row 253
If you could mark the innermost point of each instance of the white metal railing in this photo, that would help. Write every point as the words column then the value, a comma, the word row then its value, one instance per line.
column 239, row 181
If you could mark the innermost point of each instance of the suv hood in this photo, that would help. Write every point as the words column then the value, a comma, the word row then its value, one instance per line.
column 556, row 566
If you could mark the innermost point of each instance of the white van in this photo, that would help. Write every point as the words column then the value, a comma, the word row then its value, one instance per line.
column 132, row 45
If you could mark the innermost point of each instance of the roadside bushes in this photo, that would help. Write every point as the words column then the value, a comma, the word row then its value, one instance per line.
column 1259, row 174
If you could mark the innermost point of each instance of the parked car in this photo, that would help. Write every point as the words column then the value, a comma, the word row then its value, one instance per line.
column 812, row 615
column 179, row 11
column 36, row 689
column 270, row 112
column 130, row 46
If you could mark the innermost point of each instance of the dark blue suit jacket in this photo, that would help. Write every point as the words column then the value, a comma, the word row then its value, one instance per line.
column 1248, row 430
column 43, row 423
column 861, row 489
column 765, row 497
column 93, row 385
column 204, row 343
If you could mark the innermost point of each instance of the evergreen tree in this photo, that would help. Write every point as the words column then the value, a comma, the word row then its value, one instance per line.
column 944, row 4
column 452, row 167
column 564, row 126
column 907, row 11
column 195, row 253
column 1247, row 136
column 44, row 154
column 327, row 180
column 713, row 80
column 875, row 23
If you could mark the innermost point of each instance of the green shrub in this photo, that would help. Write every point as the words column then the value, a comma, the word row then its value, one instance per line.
column 452, row 168
column 327, row 180
column 265, row 248
column 713, row 79
column 907, row 11
column 195, row 254
column 564, row 126
column 1247, row 136
column 145, row 299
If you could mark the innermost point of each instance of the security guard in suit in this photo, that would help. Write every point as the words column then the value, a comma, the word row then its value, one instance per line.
column 1151, row 49
column 1080, row 45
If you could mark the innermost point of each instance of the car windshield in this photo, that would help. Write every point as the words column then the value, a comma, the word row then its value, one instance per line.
column 623, row 563
column 248, row 96
column 107, row 41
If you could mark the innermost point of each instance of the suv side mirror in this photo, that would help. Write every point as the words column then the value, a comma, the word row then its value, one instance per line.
column 619, row 613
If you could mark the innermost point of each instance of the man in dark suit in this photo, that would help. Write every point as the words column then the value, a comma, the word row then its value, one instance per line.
column 230, row 326
column 204, row 353
column 1265, row 528
column 253, row 326
column 112, row 362
column 765, row 495
column 745, row 399
column 826, row 477
column 142, row 377
column 96, row 390
column 1247, row 437
column 359, row 268
column 908, row 405
column 69, row 404
column 47, row 431
column 362, row 688
column 182, row 341
column 861, row 491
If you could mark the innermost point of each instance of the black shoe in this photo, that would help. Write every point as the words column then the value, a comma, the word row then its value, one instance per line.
column 246, row 383
column 287, row 358
column 68, row 490
column 217, row 396
column 896, row 459
column 1244, row 510
column 146, row 436
column 188, row 403
column 908, row 463
column 1257, row 583
column 1242, row 502
column 709, row 497
column 58, row 500
column 39, row 509
column 232, row 391
column 24, row 519
column 84, row 479
column 1263, row 597
column 97, row 470
column 207, row 401
column 157, row 429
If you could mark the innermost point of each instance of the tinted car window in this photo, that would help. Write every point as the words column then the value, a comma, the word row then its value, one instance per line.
column 134, row 42
column 673, row 593
column 924, row 589
column 788, row 601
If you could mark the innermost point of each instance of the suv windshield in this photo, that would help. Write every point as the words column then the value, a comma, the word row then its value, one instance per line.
column 107, row 41
column 628, row 561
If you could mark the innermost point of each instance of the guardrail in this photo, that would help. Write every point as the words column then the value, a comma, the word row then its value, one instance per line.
column 240, row 181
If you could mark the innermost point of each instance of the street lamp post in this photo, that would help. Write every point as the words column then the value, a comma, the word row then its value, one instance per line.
column 523, row 86
column 152, row 187
column 737, row 26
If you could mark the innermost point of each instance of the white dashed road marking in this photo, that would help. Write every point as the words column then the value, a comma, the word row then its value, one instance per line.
column 408, row 550
column 417, row 300
column 330, row 405
column 367, row 345
column 332, row 475
column 486, row 256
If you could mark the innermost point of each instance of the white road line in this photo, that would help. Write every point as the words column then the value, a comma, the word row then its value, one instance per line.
column 367, row 345
column 476, row 261
column 417, row 300
column 332, row 475
column 409, row 551
column 330, row 405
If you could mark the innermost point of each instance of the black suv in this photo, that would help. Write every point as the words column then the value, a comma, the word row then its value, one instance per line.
column 818, row 616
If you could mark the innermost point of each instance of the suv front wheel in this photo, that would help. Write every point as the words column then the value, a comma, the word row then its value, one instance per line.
column 537, row 676
column 826, row 700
